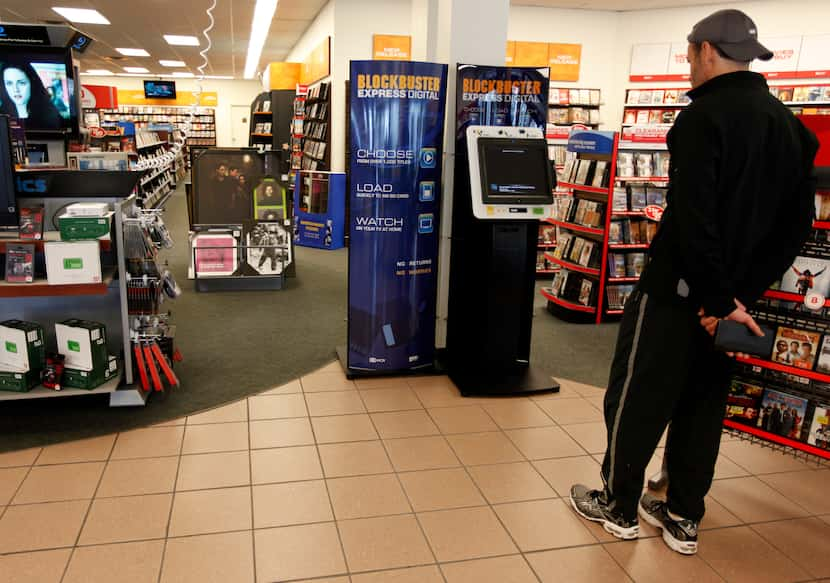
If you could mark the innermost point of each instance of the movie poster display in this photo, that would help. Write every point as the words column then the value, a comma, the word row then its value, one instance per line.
column 397, row 128
column 224, row 181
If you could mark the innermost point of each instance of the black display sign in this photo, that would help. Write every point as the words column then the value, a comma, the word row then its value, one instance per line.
column 73, row 183
column 18, row 34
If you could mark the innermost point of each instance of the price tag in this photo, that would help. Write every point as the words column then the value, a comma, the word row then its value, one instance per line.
column 814, row 301
column 653, row 212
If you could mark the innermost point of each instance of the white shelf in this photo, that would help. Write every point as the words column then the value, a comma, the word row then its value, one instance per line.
column 156, row 175
column 41, row 392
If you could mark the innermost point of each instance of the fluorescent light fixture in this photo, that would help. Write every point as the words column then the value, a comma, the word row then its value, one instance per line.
column 263, row 15
column 218, row 76
column 136, row 70
column 81, row 15
column 172, row 64
column 133, row 52
column 182, row 74
column 182, row 41
column 99, row 72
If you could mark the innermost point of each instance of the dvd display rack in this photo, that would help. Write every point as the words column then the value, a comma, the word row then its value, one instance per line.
column 569, row 108
column 296, row 133
column 272, row 114
column 202, row 131
column 654, row 110
column 316, row 134
column 582, row 218
column 156, row 184
column 784, row 397
column 546, row 244
column 123, row 148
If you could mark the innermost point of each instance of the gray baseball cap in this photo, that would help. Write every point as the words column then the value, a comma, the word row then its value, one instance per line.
column 734, row 33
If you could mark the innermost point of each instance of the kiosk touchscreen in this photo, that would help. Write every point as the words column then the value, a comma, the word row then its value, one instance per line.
column 493, row 261
column 510, row 175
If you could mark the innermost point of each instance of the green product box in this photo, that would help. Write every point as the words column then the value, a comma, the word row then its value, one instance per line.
column 84, row 228
column 83, row 343
column 19, row 382
column 74, row 378
column 13, row 355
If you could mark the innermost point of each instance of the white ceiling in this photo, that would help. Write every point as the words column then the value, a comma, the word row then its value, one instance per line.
column 619, row 5
column 141, row 24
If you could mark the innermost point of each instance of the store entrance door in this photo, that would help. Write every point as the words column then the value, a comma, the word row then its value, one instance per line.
column 240, row 125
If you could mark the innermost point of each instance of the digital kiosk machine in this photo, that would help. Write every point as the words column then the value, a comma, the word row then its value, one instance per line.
column 493, row 261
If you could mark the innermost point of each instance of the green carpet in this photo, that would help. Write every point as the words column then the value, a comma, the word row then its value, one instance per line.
column 239, row 343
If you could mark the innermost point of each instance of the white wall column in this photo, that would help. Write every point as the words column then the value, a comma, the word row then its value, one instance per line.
column 463, row 33
column 424, row 30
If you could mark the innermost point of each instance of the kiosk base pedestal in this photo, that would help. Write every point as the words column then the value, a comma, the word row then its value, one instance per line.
column 520, row 382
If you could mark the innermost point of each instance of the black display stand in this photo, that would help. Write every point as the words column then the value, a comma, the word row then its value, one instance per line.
column 492, row 283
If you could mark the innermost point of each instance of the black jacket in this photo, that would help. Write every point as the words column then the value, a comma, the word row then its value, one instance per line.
column 740, row 200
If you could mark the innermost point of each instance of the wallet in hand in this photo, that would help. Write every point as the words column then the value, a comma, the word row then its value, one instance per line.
column 735, row 337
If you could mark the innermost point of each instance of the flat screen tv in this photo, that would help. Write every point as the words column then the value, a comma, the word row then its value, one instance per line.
column 160, row 89
column 38, row 88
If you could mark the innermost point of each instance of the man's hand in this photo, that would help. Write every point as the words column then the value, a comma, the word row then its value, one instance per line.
column 740, row 315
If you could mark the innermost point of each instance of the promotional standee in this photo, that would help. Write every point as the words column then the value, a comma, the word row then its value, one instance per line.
column 241, row 220
column 503, row 186
column 397, row 123
column 320, row 209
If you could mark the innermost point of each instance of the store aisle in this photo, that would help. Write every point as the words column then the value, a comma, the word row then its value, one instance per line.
column 236, row 344
column 340, row 481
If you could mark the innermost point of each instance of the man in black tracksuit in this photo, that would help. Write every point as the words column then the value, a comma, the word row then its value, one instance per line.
column 740, row 205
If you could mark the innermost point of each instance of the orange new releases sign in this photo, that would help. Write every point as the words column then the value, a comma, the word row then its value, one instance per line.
column 563, row 59
column 531, row 54
column 392, row 47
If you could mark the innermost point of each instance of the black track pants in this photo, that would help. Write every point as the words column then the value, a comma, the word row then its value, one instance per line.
column 665, row 369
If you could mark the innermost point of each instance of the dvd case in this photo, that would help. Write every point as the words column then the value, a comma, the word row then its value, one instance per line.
column 782, row 414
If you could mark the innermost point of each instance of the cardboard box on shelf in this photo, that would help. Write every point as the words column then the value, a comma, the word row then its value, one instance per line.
column 19, row 382
column 74, row 378
column 77, row 262
column 88, row 209
column 22, row 346
column 83, row 343
column 84, row 227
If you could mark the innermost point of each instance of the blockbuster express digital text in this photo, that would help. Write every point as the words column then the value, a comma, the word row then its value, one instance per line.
column 500, row 90
column 398, row 86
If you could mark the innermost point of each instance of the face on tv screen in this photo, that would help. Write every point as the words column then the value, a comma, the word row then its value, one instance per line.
column 160, row 89
column 515, row 169
column 37, row 88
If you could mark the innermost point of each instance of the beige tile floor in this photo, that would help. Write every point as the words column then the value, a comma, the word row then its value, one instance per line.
column 383, row 480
